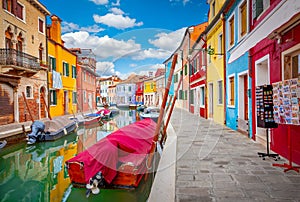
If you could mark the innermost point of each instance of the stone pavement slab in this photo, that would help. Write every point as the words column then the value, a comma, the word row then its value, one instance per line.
column 215, row 163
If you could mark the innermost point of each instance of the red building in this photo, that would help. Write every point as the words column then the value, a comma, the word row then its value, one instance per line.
column 86, row 79
column 275, row 56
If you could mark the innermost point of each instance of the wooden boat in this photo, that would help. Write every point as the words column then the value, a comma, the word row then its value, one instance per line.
column 150, row 112
column 50, row 130
column 118, row 160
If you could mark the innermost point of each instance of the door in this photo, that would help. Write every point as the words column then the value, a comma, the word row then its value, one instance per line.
column 6, row 104
column 245, row 94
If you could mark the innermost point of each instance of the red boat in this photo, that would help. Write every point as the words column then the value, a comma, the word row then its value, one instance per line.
column 120, row 158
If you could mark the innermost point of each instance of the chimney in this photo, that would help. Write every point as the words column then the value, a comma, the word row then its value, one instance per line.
column 55, row 33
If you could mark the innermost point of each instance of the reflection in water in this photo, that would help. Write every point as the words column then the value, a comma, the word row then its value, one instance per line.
column 37, row 172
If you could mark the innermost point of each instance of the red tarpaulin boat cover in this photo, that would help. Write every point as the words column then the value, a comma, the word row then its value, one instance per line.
column 129, row 144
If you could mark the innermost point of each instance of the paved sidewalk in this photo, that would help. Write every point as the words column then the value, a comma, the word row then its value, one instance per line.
column 215, row 163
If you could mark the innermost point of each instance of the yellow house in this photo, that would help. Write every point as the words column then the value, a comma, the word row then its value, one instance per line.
column 215, row 62
column 62, row 72
column 149, row 92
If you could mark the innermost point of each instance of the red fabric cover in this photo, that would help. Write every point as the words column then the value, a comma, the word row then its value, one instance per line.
column 128, row 144
column 105, row 111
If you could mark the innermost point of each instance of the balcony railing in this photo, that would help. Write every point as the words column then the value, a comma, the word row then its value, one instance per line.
column 17, row 58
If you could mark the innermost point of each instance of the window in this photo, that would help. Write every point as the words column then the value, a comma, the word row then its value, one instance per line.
column 129, row 88
column 41, row 25
column 202, row 96
column 29, row 92
column 243, row 19
column 192, row 92
column 185, row 95
column 292, row 65
column 84, row 96
column 65, row 69
column 220, row 92
column 74, row 73
column 213, row 9
column 53, row 97
column 231, row 91
column 84, row 76
column 258, row 6
column 8, row 5
column 52, row 63
column 220, row 44
column 151, row 86
column 20, row 11
column 231, row 31
column 74, row 97
column 185, row 69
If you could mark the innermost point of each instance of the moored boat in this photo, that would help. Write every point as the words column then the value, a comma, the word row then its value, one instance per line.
column 50, row 130
column 150, row 112
column 119, row 159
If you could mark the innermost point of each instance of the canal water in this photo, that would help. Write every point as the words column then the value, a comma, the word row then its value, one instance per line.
column 38, row 173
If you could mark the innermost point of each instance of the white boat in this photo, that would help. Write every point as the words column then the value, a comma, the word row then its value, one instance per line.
column 150, row 112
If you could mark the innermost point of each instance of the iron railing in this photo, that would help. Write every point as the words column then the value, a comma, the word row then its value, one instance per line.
column 18, row 58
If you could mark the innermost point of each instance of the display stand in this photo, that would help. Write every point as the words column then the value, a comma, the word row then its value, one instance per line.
column 265, row 116
column 290, row 165
column 264, row 155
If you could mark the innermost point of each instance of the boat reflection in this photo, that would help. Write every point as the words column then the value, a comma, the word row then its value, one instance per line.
column 37, row 172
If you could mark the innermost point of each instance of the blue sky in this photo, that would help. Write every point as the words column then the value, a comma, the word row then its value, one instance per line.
column 127, row 35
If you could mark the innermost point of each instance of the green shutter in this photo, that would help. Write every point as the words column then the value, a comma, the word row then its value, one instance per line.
column 67, row 69
column 54, row 64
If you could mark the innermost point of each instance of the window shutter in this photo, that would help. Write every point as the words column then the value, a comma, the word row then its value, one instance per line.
column 67, row 69
column 54, row 64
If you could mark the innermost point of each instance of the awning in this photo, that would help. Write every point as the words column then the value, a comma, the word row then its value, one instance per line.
column 281, row 14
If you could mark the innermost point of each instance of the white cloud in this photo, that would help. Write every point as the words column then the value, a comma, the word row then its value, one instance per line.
column 105, row 68
column 70, row 27
column 116, row 4
column 168, row 41
column 117, row 21
column 103, row 47
column 100, row 2
column 117, row 11
column 151, row 53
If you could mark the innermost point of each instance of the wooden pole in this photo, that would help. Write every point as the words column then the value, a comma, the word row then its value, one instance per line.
column 169, row 103
column 171, row 110
column 31, row 117
column 162, row 109
column 46, row 106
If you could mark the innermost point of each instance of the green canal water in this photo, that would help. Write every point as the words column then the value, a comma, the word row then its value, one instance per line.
column 38, row 173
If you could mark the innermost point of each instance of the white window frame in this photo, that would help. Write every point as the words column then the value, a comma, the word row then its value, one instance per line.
column 202, row 98
column 220, row 44
column 229, row 90
column 229, row 32
column 290, row 51
column 23, row 12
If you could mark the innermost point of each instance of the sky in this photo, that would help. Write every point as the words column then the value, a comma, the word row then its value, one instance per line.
column 127, row 36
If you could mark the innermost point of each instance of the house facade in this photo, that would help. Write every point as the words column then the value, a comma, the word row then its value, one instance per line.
column 86, row 78
column 139, row 93
column 197, row 62
column 238, row 81
column 62, row 72
column 125, row 90
column 150, row 92
column 23, row 55
column 215, row 62
column 159, row 79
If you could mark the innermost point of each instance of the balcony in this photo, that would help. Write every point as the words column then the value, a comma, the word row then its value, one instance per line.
column 15, row 62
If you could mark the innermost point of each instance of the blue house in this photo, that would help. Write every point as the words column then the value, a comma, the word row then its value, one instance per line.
column 238, row 82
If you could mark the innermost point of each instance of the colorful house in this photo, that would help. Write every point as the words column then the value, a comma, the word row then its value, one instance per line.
column 112, row 97
column 150, row 92
column 215, row 62
column 85, row 79
column 197, row 63
column 274, row 46
column 23, row 55
column 159, row 79
column 238, row 82
column 139, row 93
column 62, row 72
column 125, row 91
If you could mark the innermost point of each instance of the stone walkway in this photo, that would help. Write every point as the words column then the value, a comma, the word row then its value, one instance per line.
column 215, row 163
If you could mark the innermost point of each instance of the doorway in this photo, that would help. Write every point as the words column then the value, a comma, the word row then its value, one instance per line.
column 211, row 100
column 66, row 102
column 243, row 104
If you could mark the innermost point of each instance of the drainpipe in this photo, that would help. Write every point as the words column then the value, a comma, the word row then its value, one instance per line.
column 224, row 60
column 47, row 60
